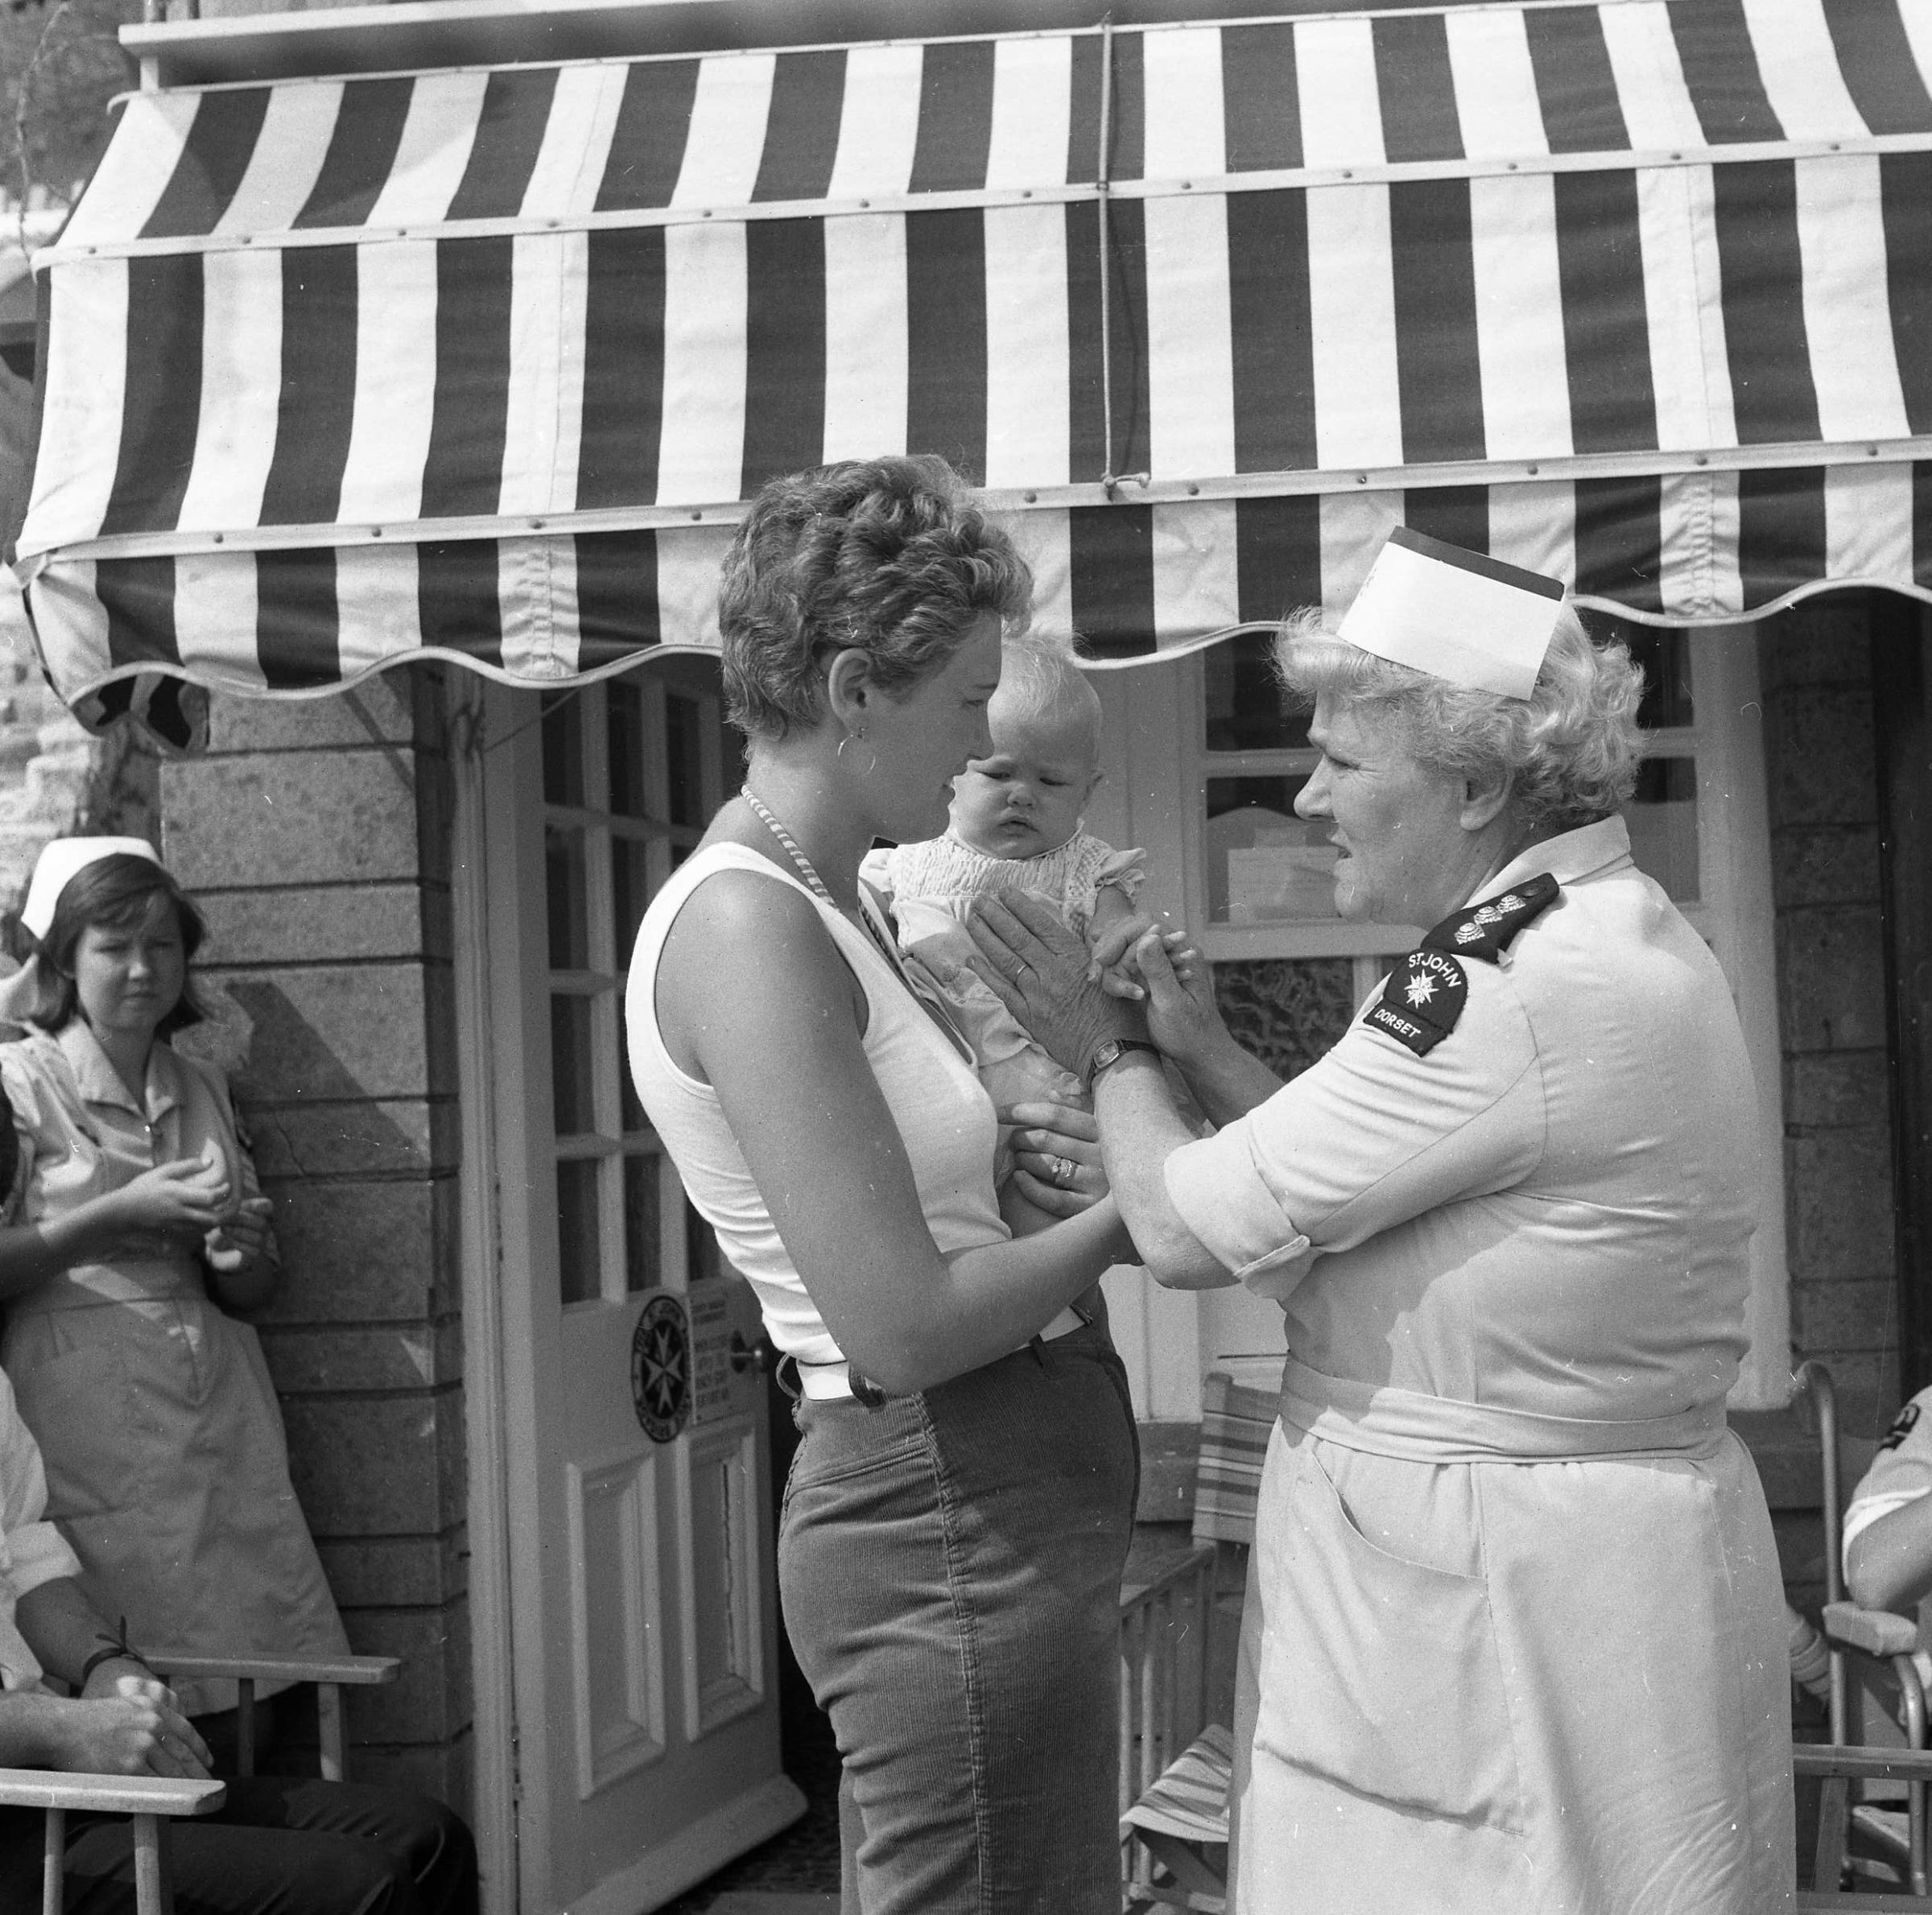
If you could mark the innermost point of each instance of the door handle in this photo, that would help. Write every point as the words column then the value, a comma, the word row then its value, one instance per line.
column 762, row 1355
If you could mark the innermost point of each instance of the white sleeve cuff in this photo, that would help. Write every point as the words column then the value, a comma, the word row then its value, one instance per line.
column 39, row 1554
column 1866, row 1510
column 1220, row 1195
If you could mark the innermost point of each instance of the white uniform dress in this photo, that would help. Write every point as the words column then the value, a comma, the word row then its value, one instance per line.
column 1514, row 1630
column 167, row 1466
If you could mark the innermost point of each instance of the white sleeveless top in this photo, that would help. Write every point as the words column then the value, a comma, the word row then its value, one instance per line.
column 943, row 1115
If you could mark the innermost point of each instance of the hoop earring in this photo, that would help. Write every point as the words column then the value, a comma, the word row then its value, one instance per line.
column 859, row 735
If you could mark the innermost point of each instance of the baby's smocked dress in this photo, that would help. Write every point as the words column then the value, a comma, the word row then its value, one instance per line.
column 931, row 886
column 167, row 1466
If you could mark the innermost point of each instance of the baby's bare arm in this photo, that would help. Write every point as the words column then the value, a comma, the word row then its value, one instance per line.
column 1112, row 908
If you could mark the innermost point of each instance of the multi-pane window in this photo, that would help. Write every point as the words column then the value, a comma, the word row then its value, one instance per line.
column 633, row 769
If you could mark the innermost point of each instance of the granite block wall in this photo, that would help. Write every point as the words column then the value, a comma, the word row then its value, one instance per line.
column 314, row 837
column 1821, row 766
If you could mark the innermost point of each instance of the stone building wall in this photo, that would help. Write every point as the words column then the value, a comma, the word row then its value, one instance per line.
column 1821, row 766
column 316, row 837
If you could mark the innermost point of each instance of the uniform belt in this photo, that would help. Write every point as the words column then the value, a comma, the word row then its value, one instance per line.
column 1420, row 1428
column 832, row 1382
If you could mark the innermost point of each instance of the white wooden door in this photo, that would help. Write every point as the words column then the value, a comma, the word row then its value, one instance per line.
column 642, row 1595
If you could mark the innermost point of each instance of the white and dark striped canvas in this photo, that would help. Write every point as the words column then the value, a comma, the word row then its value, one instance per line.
column 484, row 363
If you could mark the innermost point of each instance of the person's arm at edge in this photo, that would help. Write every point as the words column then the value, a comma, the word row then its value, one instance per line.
column 29, row 1253
column 1888, row 1563
column 63, row 1630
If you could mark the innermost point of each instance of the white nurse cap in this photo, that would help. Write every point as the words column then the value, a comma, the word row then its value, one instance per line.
column 1455, row 615
column 63, row 860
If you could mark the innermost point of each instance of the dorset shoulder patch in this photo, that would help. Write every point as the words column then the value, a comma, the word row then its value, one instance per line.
column 1421, row 1002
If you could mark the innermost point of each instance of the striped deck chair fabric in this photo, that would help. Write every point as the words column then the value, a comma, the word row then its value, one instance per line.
column 1237, row 1414
column 1189, row 1801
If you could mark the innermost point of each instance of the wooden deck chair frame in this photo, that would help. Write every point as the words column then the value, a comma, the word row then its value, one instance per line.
column 331, row 1676
column 1877, row 1634
column 154, row 1801
column 1839, row 1767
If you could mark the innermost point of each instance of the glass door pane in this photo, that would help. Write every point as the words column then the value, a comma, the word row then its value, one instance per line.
column 630, row 779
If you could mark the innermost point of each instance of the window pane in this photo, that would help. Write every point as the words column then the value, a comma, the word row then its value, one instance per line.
column 731, row 758
column 1265, row 865
column 1245, row 711
column 563, row 749
column 684, row 758
column 566, row 893
column 579, row 1250
column 1666, row 658
column 626, row 728
column 572, row 1098
column 629, row 892
column 642, row 1214
column 1662, row 817
column 1286, row 1011
column 701, row 1255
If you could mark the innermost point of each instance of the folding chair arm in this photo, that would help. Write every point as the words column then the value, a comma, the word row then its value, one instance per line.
column 1893, row 1764
column 1875, row 1631
column 329, row 1673
column 108, row 1795
column 353, row 1671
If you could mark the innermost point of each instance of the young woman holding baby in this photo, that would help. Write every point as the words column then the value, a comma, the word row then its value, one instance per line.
column 958, row 1515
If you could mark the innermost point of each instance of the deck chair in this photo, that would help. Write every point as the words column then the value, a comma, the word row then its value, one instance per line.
column 1174, row 1791
column 331, row 1676
column 1861, row 1641
column 154, row 1801
column 1837, row 1767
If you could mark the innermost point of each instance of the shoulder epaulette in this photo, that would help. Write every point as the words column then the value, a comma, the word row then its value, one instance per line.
column 1902, row 1425
column 1485, row 929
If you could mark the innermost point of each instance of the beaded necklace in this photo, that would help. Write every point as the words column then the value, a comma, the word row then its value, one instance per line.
column 887, row 948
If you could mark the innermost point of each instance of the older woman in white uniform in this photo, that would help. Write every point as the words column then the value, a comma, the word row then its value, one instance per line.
column 1513, row 1637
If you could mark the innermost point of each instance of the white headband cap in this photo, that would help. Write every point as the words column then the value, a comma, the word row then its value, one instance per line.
column 1455, row 615
column 63, row 860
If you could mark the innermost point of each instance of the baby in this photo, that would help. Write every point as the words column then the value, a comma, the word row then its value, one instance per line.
column 1016, row 826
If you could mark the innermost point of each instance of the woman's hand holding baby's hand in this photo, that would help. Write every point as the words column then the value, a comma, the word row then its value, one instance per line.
column 1111, row 966
column 1182, row 1016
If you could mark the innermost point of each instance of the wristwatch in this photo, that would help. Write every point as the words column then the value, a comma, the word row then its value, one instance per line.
column 1111, row 1051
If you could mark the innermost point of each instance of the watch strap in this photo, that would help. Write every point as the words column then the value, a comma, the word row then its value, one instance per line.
column 1110, row 1050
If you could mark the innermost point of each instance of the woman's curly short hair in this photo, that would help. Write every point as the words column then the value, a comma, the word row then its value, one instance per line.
column 1570, row 750
column 890, row 557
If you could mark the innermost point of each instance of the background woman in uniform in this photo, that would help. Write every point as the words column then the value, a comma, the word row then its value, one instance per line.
column 957, row 1515
column 1514, row 1636
column 141, row 1229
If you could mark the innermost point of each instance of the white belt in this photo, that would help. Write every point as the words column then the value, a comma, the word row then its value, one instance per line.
column 832, row 1382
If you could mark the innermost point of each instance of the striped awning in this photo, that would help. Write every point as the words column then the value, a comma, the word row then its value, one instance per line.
column 482, row 363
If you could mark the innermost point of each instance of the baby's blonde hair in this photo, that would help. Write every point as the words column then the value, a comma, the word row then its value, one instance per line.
column 1040, row 677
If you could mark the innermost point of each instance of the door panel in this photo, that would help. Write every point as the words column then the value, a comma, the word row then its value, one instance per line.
column 645, row 1611
column 617, row 1632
